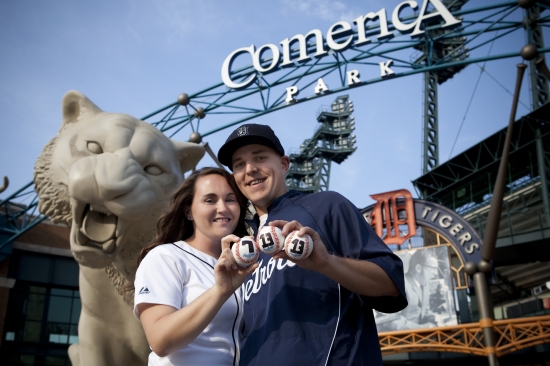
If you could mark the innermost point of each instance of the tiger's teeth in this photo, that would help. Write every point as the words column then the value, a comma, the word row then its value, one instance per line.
column 101, row 210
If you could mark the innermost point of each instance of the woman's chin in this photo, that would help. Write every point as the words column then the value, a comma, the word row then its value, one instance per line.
column 223, row 232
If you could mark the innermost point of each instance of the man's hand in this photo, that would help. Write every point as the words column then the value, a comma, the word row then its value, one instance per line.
column 359, row 276
column 319, row 257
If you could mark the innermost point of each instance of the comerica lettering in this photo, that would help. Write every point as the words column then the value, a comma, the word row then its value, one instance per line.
column 339, row 36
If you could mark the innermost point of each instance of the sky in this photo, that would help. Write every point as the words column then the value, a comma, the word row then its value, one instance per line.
column 137, row 56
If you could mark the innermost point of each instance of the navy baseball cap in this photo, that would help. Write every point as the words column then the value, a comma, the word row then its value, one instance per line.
column 248, row 134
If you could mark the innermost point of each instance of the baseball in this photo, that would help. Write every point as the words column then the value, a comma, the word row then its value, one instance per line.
column 245, row 252
column 270, row 240
column 298, row 247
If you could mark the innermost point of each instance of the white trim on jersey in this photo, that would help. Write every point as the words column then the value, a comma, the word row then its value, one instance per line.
column 237, row 316
column 337, row 323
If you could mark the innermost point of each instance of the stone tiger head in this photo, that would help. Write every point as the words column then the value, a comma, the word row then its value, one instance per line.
column 109, row 176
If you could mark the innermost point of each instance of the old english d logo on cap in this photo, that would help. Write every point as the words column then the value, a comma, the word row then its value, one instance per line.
column 242, row 131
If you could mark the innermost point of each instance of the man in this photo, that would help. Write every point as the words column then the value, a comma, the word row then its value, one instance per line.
column 317, row 311
column 423, row 267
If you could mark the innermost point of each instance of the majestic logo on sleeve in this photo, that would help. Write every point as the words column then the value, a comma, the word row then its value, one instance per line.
column 144, row 290
column 262, row 274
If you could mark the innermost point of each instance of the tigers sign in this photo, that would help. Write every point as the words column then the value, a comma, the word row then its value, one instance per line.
column 396, row 215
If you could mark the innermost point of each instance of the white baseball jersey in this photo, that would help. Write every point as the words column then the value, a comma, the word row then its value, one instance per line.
column 175, row 275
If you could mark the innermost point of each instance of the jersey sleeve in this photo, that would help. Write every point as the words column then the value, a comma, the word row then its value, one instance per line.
column 351, row 236
column 159, row 280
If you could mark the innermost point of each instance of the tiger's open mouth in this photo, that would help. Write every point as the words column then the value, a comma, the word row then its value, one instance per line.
column 96, row 227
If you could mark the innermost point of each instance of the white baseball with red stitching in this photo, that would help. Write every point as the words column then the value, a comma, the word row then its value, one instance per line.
column 245, row 252
column 270, row 240
column 298, row 247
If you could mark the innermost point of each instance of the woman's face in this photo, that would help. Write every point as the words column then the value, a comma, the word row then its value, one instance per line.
column 215, row 210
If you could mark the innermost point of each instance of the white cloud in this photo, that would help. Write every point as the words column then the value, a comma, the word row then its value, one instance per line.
column 177, row 22
column 322, row 9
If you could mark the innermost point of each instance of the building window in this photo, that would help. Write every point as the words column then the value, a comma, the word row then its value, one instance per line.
column 42, row 314
column 63, row 314
column 43, row 310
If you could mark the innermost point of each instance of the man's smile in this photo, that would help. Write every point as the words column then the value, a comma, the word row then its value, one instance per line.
column 256, row 181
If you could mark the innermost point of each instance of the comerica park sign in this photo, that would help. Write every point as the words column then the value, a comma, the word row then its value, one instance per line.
column 340, row 36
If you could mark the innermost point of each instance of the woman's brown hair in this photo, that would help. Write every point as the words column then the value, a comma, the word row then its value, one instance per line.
column 173, row 224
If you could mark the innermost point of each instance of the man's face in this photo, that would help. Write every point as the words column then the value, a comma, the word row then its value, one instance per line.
column 260, row 174
column 431, row 269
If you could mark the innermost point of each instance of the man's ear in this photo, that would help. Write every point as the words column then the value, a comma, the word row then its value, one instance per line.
column 285, row 163
column 418, row 268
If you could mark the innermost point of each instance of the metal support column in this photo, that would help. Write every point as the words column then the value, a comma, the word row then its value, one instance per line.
column 486, row 316
column 431, row 134
column 539, row 84
column 540, row 96
column 478, row 271
column 544, row 168
column 324, row 174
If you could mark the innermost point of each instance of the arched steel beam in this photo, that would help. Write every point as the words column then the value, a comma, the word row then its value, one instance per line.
column 267, row 94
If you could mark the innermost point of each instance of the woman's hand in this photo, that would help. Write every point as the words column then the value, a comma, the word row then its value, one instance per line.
column 228, row 274
column 168, row 329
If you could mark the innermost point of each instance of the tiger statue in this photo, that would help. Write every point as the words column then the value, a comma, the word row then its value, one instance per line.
column 108, row 176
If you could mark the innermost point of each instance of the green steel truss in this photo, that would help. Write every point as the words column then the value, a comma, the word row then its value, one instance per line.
column 539, row 97
column 539, row 84
column 16, row 218
column 430, row 158
column 450, row 48
column 480, row 27
column 332, row 141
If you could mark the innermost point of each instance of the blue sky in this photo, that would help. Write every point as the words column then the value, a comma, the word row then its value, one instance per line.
column 138, row 56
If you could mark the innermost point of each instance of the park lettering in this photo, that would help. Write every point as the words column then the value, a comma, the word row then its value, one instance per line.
column 339, row 37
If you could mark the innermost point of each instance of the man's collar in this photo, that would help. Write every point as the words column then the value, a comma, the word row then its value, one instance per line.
column 279, row 199
column 273, row 204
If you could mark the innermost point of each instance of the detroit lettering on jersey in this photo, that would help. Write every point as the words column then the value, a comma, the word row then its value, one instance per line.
column 262, row 274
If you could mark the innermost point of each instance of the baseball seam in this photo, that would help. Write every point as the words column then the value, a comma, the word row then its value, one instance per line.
column 306, row 246
column 238, row 253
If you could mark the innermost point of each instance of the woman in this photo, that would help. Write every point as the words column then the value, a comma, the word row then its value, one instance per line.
column 185, row 299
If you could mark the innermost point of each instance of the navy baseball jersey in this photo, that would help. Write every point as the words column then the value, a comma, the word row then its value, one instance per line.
column 294, row 316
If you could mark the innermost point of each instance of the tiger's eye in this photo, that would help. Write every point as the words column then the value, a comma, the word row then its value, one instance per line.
column 94, row 147
column 153, row 170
